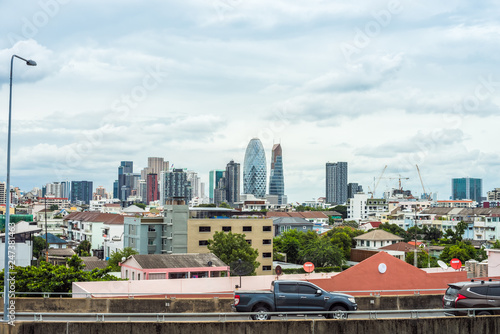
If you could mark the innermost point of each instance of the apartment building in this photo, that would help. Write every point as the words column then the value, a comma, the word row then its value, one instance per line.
column 184, row 230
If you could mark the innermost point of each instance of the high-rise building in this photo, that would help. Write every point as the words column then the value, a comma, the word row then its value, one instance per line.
column 214, row 177
column 177, row 185
column 3, row 197
column 467, row 188
column 152, row 188
column 54, row 189
column 220, row 191
column 353, row 188
column 232, row 182
column 125, row 180
column 336, row 182
column 81, row 191
column 194, row 179
column 156, row 165
column 254, row 169
column 276, row 179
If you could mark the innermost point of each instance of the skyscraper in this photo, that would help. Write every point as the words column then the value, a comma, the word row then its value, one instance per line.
column 467, row 188
column 232, row 182
column 254, row 169
column 125, row 179
column 214, row 177
column 152, row 188
column 336, row 182
column 353, row 188
column 276, row 180
column 177, row 185
column 81, row 191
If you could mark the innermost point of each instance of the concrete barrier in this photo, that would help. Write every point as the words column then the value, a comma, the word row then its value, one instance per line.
column 209, row 305
column 456, row 325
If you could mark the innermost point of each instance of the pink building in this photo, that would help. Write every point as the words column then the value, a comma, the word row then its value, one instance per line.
column 173, row 266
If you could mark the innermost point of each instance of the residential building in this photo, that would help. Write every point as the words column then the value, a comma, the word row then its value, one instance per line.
column 185, row 230
column 194, row 180
column 156, row 165
column 153, row 193
column 99, row 205
column 3, row 197
column 494, row 195
column 454, row 204
column 254, row 169
column 336, row 182
column 353, row 188
column 467, row 188
column 96, row 227
column 100, row 194
column 363, row 207
column 173, row 266
column 81, row 192
column 23, row 241
column 276, row 178
column 376, row 239
column 177, row 185
column 283, row 224
column 233, row 187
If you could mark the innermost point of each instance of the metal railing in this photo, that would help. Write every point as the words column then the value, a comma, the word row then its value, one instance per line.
column 83, row 294
column 222, row 317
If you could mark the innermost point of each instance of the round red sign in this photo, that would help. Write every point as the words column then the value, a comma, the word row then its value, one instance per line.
column 456, row 264
column 308, row 267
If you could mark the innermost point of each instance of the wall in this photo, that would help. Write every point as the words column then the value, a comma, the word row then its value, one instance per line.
column 199, row 304
column 456, row 325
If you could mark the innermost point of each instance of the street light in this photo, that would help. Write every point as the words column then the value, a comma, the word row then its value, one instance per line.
column 7, row 201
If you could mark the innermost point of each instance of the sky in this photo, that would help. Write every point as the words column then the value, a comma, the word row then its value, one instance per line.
column 374, row 83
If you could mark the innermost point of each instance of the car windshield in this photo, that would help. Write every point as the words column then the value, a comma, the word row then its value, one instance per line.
column 452, row 292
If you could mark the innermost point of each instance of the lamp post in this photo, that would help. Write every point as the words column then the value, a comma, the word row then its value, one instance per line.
column 7, row 201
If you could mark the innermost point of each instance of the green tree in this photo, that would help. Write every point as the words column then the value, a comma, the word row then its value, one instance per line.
column 75, row 262
column 322, row 253
column 83, row 248
column 290, row 243
column 351, row 223
column 50, row 278
column 461, row 250
column 496, row 245
column 224, row 205
column 54, row 207
column 116, row 257
column 423, row 259
column 394, row 229
column 39, row 246
column 140, row 205
column 231, row 247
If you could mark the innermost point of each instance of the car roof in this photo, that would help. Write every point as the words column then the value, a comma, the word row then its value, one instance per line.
column 473, row 283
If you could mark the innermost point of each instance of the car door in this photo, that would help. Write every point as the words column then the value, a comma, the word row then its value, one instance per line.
column 494, row 297
column 309, row 299
column 287, row 296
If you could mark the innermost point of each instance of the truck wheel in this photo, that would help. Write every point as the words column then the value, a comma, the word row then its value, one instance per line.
column 338, row 312
column 262, row 315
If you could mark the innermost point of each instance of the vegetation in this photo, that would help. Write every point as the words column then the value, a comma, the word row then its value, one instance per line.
column 423, row 259
column 140, row 205
column 463, row 251
column 54, row 207
column 231, row 247
column 116, row 257
column 50, row 278
column 224, row 205
column 39, row 246
column 342, row 209
column 83, row 248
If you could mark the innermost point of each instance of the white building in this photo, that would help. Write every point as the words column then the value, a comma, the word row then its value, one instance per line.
column 23, row 237
column 363, row 207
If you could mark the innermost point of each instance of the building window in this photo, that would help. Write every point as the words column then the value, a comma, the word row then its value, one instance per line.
column 203, row 243
column 204, row 229
column 138, row 277
column 226, row 228
column 267, row 255
column 266, row 268
column 151, row 241
column 151, row 228
column 249, row 241
column 247, row 228
column 266, row 228
column 266, row 241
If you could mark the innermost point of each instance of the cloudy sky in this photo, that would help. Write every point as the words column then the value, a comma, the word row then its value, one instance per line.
column 373, row 83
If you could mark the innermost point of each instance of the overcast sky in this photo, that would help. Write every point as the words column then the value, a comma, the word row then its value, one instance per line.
column 373, row 83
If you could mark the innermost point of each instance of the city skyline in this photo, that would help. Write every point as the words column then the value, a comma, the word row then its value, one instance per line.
column 372, row 83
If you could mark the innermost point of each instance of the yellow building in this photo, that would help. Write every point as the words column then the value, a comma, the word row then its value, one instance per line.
column 258, row 233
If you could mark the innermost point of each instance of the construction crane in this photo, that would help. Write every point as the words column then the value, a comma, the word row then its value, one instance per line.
column 376, row 184
column 398, row 178
column 422, row 182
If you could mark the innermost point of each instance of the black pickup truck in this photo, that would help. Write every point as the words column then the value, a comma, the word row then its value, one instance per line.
column 293, row 296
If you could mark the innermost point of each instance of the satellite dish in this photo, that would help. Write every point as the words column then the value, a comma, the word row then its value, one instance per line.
column 443, row 265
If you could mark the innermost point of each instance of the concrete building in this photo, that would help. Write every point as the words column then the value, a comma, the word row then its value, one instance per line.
column 283, row 224
column 177, row 185
column 81, row 192
column 233, row 187
column 336, row 182
column 23, row 237
column 376, row 239
column 363, row 207
column 214, row 177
